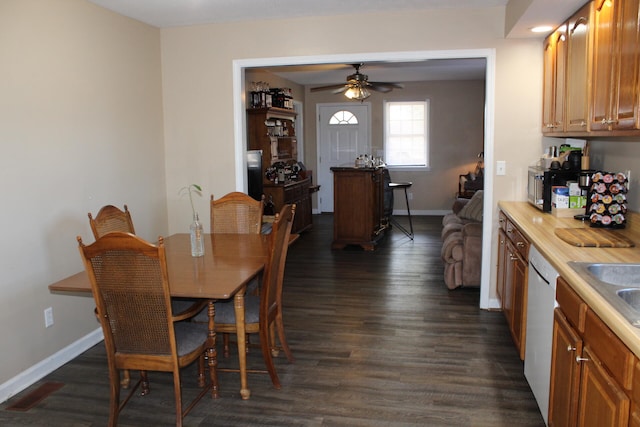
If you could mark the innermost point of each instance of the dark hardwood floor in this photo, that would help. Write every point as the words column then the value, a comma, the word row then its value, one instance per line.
column 378, row 341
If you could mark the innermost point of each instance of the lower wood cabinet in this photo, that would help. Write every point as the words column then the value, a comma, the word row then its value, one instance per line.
column 591, row 369
column 296, row 192
column 513, row 249
column 358, row 207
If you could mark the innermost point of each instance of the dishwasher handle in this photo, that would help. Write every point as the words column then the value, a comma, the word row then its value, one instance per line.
column 531, row 265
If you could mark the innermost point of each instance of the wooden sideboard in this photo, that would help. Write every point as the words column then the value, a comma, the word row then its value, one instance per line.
column 358, row 207
column 294, row 192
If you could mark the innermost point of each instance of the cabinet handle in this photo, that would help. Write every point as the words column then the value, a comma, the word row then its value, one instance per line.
column 501, row 220
column 609, row 121
column 581, row 359
column 583, row 123
column 513, row 257
column 570, row 348
column 520, row 244
column 549, row 126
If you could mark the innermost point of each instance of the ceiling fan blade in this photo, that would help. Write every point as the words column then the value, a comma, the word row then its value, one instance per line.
column 339, row 87
column 387, row 84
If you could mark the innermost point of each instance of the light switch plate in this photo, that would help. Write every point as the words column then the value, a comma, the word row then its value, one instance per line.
column 501, row 167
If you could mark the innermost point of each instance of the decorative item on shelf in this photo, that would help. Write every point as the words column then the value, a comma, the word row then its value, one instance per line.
column 260, row 95
column 196, row 231
column 281, row 98
column 608, row 199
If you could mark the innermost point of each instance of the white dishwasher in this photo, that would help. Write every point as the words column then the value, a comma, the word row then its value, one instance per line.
column 541, row 301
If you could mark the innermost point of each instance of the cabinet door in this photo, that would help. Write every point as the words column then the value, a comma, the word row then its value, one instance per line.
column 602, row 401
column 510, row 257
column 502, row 263
column 626, row 90
column 519, row 326
column 553, row 108
column 634, row 418
column 565, row 373
column 615, row 80
column 578, row 64
column 602, row 77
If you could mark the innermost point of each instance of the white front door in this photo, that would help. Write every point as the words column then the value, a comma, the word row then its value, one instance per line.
column 343, row 134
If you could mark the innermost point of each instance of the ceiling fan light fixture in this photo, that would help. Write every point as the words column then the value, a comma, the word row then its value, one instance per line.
column 357, row 92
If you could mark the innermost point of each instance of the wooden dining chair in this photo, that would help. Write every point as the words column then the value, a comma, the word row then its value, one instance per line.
column 130, row 285
column 236, row 213
column 109, row 219
column 263, row 313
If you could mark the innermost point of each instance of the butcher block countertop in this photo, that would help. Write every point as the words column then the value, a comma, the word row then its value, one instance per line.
column 539, row 228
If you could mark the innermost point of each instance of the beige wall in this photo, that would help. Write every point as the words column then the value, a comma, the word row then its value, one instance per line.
column 198, row 93
column 456, row 135
column 80, row 127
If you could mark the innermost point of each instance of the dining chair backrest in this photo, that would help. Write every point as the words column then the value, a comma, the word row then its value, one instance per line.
column 130, row 285
column 236, row 213
column 110, row 219
column 271, row 291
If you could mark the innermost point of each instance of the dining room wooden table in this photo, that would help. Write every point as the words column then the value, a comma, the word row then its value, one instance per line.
column 229, row 262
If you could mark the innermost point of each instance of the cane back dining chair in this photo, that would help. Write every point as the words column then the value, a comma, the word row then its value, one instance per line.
column 263, row 313
column 236, row 213
column 130, row 286
column 110, row 218
column 233, row 213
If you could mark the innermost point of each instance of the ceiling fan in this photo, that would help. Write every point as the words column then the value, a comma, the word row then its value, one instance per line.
column 358, row 86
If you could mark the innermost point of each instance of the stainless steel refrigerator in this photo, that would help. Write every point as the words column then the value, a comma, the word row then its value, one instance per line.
column 254, row 173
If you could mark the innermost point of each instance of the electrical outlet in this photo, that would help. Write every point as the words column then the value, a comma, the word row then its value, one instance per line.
column 410, row 195
column 628, row 179
column 48, row 317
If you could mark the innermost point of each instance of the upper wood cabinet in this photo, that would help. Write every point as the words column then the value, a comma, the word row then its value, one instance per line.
column 578, row 66
column 555, row 60
column 601, row 73
column 616, row 45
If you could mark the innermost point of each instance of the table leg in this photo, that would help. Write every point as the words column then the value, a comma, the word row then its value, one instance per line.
column 238, row 306
column 211, row 351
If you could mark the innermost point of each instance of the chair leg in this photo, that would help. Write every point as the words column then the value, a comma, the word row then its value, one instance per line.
column 225, row 343
column 283, row 340
column 275, row 351
column 114, row 406
column 265, row 345
column 201, row 380
column 177, row 392
column 145, row 383
column 126, row 379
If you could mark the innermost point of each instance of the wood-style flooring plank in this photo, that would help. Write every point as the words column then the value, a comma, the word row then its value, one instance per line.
column 378, row 340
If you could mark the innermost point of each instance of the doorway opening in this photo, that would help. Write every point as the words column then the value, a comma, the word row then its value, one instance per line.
column 239, row 91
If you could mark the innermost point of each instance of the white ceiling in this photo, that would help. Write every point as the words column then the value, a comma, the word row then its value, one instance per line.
column 171, row 13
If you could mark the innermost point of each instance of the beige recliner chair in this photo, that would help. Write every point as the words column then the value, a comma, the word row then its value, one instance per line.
column 462, row 243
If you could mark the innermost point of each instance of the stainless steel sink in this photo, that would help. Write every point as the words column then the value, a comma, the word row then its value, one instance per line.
column 618, row 283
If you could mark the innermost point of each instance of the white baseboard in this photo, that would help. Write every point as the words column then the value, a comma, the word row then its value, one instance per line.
column 45, row 367
column 494, row 304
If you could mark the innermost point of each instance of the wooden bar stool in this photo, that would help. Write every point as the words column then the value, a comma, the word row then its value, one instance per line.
column 404, row 186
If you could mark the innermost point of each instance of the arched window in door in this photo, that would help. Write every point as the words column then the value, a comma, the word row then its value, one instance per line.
column 343, row 117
